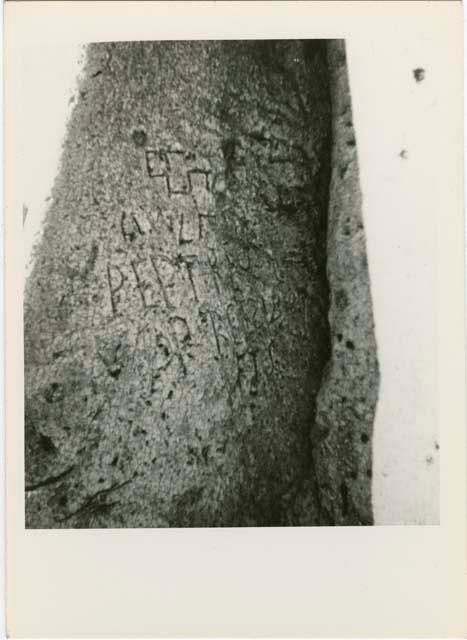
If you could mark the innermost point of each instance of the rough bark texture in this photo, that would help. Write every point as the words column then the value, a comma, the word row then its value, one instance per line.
column 343, row 429
column 176, row 319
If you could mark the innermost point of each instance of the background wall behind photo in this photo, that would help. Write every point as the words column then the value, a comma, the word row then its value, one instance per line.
column 393, row 142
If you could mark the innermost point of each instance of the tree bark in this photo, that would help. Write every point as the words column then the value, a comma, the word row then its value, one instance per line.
column 177, row 324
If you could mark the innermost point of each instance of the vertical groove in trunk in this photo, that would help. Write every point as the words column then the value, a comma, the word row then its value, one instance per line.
column 346, row 403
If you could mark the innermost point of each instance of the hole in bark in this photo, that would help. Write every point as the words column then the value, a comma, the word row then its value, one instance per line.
column 46, row 443
column 139, row 137
column 115, row 373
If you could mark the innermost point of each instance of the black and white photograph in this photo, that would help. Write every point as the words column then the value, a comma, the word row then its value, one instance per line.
column 198, row 326
column 235, row 368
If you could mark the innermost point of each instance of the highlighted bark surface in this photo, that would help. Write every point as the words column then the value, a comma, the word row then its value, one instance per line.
column 176, row 319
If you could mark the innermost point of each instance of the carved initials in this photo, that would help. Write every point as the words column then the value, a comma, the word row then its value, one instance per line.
column 131, row 228
column 171, row 166
column 116, row 280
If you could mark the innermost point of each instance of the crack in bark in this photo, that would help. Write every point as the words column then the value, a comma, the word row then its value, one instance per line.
column 49, row 480
column 91, row 503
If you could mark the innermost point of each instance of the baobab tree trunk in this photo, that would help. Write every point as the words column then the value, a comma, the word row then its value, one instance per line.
column 177, row 318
